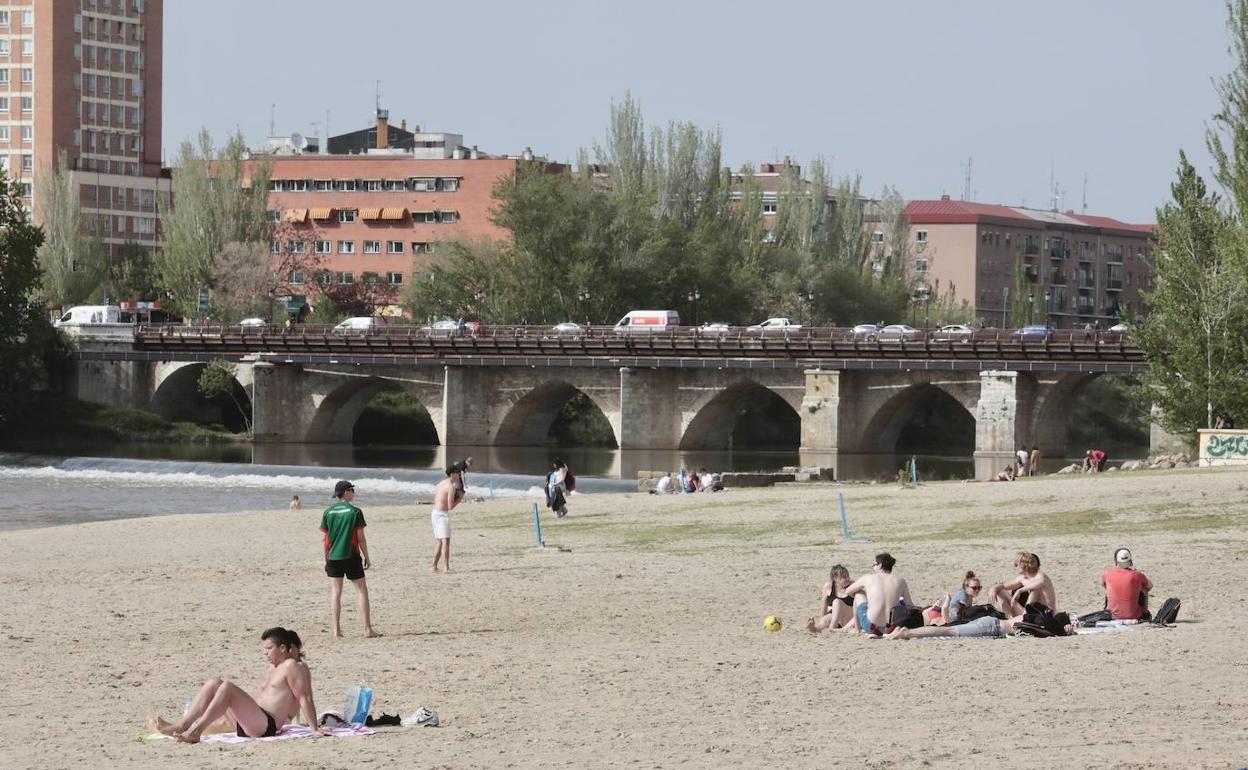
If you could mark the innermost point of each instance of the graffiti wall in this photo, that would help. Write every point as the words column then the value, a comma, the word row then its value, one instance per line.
column 1223, row 447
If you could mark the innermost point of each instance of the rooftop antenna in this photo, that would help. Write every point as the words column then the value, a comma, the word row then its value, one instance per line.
column 1085, row 193
column 966, row 182
column 316, row 130
column 378, row 96
column 272, row 119
column 327, row 132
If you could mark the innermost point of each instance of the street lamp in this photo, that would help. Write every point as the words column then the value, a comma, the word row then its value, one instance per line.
column 1031, row 303
column 477, row 296
column 809, row 298
column 1046, row 308
column 693, row 297
column 584, row 296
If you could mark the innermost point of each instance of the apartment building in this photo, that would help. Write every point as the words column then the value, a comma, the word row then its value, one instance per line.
column 84, row 77
column 1077, row 269
column 378, row 206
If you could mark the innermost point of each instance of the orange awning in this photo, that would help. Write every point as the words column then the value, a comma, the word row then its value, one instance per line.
column 370, row 213
column 394, row 214
column 321, row 213
column 294, row 215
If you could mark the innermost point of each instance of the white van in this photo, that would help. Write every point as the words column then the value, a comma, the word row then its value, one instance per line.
column 360, row 324
column 84, row 315
column 648, row 321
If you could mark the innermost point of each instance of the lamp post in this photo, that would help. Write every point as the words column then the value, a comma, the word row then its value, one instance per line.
column 1005, row 304
column 584, row 296
column 1031, row 303
column 477, row 296
column 1046, row 308
column 693, row 297
column 809, row 298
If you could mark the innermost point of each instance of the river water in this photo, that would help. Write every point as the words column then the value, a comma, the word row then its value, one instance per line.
column 66, row 485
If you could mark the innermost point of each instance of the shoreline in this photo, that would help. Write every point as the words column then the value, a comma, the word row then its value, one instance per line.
column 642, row 641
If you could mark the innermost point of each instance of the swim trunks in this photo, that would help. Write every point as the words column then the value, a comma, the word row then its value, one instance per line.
column 351, row 569
column 269, row 731
column 441, row 524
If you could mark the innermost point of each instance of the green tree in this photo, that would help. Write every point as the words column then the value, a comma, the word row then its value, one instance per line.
column 217, row 380
column 1193, row 333
column 71, row 258
column 211, row 208
column 24, row 328
column 131, row 274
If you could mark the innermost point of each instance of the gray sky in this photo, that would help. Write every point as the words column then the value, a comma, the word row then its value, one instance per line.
column 900, row 92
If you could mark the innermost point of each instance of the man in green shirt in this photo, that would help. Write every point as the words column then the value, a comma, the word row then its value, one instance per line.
column 346, row 554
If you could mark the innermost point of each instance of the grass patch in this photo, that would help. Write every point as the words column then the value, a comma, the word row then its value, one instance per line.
column 1082, row 522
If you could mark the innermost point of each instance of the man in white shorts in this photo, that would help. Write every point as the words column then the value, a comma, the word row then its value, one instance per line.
column 446, row 496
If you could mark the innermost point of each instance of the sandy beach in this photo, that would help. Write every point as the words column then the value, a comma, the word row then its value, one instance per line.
column 635, row 638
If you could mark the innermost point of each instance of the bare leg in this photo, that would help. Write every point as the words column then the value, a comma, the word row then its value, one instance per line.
column 924, row 632
column 1000, row 598
column 361, row 591
column 446, row 554
column 228, row 701
column 841, row 614
column 198, row 705
column 335, row 607
column 437, row 554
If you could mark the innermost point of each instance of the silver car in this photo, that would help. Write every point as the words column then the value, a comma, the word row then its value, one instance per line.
column 953, row 333
column 864, row 332
column 899, row 333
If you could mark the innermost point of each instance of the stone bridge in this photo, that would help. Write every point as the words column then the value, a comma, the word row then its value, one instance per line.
column 844, row 406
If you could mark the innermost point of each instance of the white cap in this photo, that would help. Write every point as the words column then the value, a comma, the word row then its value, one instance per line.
column 1122, row 557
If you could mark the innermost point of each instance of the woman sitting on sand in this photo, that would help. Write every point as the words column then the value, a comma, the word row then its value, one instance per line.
column 951, row 608
column 837, row 609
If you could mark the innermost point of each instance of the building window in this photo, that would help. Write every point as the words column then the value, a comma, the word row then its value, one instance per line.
column 346, row 215
column 769, row 207
column 28, row 18
column 450, row 217
column 296, row 276
column 4, row 19
column 920, row 236
column 4, row 133
column 322, row 247
column 346, row 247
column 424, row 217
column 323, row 277
column 424, row 185
column 27, row 189
column 275, row 247
column 372, row 185
column 346, row 278
column 372, row 247
column 28, row 163
column 4, row 48
column 28, row 47
column 877, row 236
column 394, row 185
column 28, row 75
column 4, row 75
column 323, row 185
column 344, row 185
column 395, row 278
column 419, row 247
column 450, row 185
column 28, row 133
column 274, row 215
column 394, row 247
column 920, row 265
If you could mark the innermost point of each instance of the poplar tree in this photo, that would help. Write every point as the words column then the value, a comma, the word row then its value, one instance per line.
column 71, row 258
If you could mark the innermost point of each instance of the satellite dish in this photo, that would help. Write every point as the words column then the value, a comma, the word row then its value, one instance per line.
column 298, row 141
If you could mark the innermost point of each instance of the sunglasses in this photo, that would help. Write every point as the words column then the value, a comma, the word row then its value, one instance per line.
column 973, row 588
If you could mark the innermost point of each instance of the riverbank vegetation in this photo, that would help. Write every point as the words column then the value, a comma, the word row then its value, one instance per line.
column 55, row 420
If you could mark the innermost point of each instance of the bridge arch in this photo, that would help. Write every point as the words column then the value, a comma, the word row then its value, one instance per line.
column 715, row 420
column 528, row 420
column 883, row 425
column 176, row 395
column 337, row 412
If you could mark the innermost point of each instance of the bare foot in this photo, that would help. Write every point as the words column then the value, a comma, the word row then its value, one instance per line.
column 159, row 725
column 190, row 736
column 371, row 634
column 433, row 570
column 448, row 570
column 336, row 634
column 810, row 626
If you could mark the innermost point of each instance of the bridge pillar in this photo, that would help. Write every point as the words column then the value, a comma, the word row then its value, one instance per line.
column 649, row 413
column 821, row 418
column 280, row 413
column 996, row 422
column 468, row 397
column 116, row 383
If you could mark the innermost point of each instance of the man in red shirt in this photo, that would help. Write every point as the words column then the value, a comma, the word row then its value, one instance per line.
column 1126, row 589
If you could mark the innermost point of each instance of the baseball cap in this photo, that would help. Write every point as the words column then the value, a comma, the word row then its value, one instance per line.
column 1122, row 557
column 341, row 488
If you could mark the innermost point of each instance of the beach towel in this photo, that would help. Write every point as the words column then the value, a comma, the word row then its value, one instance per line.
column 1103, row 626
column 287, row 732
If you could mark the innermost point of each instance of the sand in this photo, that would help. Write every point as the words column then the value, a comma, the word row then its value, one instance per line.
column 639, row 643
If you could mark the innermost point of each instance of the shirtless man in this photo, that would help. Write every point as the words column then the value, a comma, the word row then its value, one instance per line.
column 1030, row 587
column 222, row 705
column 446, row 495
column 883, row 591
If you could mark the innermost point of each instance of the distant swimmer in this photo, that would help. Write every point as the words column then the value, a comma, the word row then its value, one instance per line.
column 294, row 503
column 222, row 706
column 346, row 555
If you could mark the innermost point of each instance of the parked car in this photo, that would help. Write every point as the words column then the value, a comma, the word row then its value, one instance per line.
column 715, row 327
column 567, row 327
column 899, row 333
column 359, row 324
column 953, row 333
column 444, row 328
column 864, row 332
column 253, row 322
column 1032, row 333
column 1121, row 328
column 774, row 324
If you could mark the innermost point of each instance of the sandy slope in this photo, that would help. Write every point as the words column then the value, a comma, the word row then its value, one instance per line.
column 642, row 645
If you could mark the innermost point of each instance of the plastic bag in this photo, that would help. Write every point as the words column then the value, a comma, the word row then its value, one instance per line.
column 359, row 701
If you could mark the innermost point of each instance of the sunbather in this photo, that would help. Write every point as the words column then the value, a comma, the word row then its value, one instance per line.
column 1030, row 587
column 285, row 691
column 836, row 608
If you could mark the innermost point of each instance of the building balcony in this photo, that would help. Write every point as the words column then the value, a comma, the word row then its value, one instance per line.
column 1113, row 284
column 1087, row 282
column 1031, row 272
column 1031, row 249
column 1059, row 253
column 1086, row 257
column 1057, row 278
column 1084, row 308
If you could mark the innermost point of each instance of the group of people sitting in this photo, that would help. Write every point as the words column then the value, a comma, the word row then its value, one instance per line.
column 879, row 604
column 686, row 481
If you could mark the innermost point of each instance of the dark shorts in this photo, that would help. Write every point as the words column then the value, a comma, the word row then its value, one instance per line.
column 351, row 569
column 269, row 731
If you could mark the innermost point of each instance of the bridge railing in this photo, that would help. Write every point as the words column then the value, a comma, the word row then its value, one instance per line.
column 801, row 343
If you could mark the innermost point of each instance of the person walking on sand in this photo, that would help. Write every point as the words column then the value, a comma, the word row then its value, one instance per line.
column 222, row 706
column 346, row 555
column 884, row 591
column 446, row 495
column 1030, row 587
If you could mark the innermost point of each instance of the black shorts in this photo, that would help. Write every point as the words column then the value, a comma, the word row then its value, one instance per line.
column 351, row 569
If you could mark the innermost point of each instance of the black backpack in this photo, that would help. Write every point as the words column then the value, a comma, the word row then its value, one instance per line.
column 1168, row 612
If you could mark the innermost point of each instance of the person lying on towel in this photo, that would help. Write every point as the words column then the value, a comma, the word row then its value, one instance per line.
column 222, row 705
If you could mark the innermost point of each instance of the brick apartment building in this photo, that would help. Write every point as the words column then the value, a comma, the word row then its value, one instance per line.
column 84, row 77
column 378, row 204
column 1088, row 268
